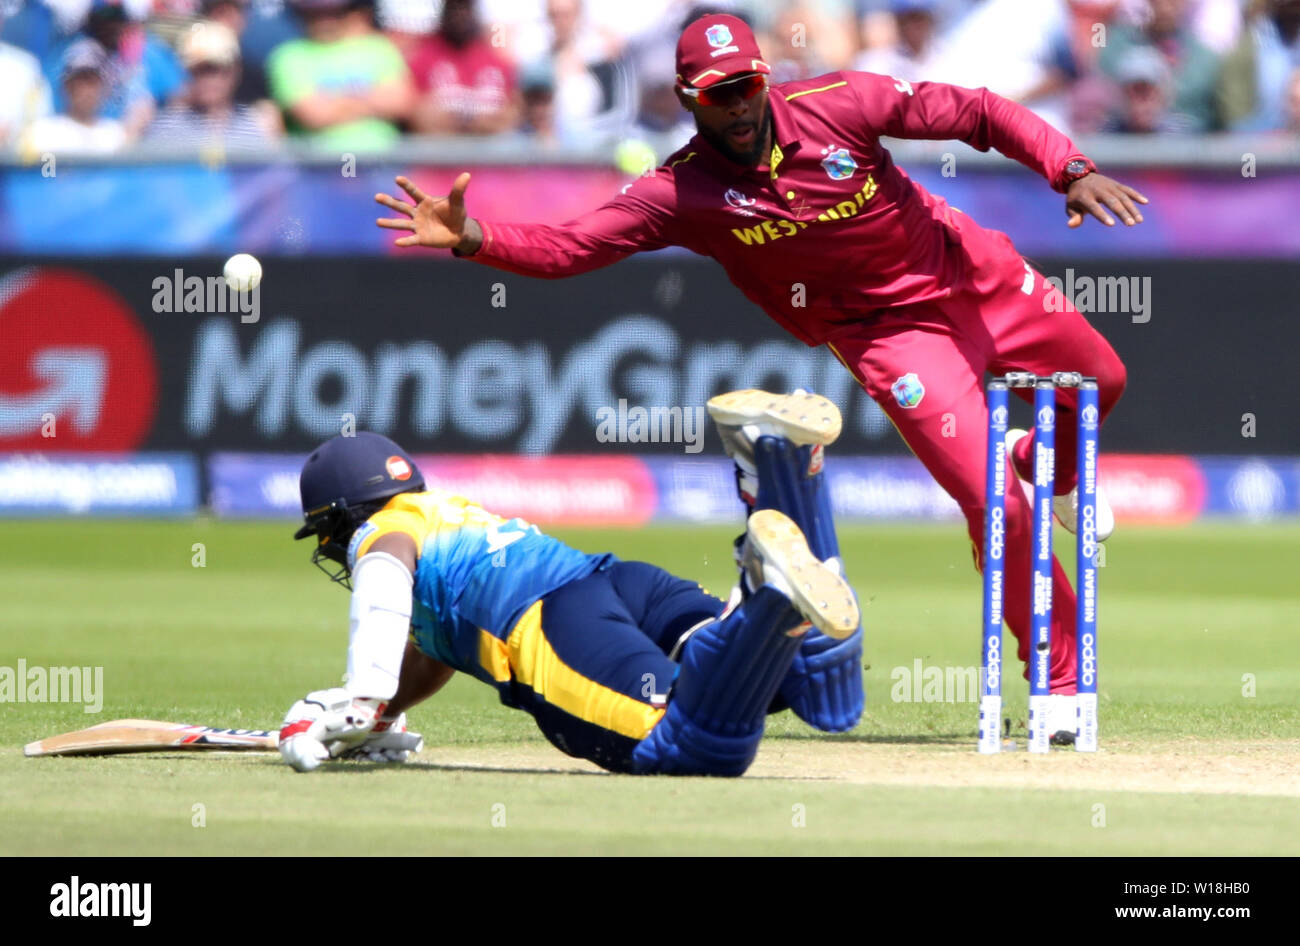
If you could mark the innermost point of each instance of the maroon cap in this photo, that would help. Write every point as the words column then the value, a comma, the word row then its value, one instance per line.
column 717, row 47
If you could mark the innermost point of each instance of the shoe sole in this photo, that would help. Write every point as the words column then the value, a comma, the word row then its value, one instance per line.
column 1070, row 520
column 818, row 593
column 801, row 418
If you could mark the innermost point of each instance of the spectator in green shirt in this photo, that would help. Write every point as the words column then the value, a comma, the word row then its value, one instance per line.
column 344, row 85
column 1196, row 103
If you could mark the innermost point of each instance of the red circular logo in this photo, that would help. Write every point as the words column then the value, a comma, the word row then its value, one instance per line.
column 77, row 371
column 398, row 468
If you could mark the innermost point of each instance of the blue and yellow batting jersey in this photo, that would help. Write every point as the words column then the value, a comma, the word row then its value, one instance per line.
column 476, row 575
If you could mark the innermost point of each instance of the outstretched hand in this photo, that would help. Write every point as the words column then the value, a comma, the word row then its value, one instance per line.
column 438, row 222
column 1095, row 193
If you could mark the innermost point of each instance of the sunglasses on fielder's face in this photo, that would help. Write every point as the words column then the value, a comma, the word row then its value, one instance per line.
column 722, row 93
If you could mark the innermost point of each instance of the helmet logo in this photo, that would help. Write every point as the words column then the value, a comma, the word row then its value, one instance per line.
column 398, row 468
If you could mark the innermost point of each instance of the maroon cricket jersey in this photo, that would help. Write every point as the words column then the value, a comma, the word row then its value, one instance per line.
column 826, row 232
column 467, row 81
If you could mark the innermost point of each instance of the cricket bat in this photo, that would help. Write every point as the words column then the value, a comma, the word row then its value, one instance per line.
column 149, row 735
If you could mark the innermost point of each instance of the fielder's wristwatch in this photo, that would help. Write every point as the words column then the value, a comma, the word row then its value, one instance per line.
column 1074, row 169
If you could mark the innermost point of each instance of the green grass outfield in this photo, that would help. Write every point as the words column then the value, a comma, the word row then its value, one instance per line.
column 1200, row 711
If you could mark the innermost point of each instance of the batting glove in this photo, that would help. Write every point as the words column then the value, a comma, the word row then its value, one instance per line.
column 389, row 741
column 326, row 724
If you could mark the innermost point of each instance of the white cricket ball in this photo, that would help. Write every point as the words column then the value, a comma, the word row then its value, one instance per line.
column 243, row 272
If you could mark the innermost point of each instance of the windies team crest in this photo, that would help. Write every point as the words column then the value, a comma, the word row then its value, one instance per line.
column 838, row 163
column 908, row 390
column 718, row 35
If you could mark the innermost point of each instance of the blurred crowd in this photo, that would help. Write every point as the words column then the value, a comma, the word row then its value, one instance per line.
column 93, row 76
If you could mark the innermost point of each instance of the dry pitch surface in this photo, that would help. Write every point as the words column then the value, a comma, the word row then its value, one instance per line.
column 1189, row 767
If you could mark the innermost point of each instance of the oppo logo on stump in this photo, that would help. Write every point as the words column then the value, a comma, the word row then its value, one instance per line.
column 77, row 371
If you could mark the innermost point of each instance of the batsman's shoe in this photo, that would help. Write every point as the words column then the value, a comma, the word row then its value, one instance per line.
column 1062, row 719
column 744, row 416
column 1066, row 507
column 802, row 418
column 777, row 554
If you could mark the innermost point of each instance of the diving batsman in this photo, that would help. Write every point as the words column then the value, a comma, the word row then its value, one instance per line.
column 790, row 188
column 620, row 663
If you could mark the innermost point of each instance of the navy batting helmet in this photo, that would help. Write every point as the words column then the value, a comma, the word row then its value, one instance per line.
column 344, row 482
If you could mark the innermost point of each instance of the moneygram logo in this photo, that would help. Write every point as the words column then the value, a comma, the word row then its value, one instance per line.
column 77, row 371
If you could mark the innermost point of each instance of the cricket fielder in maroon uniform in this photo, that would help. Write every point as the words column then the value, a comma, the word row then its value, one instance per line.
column 788, row 187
